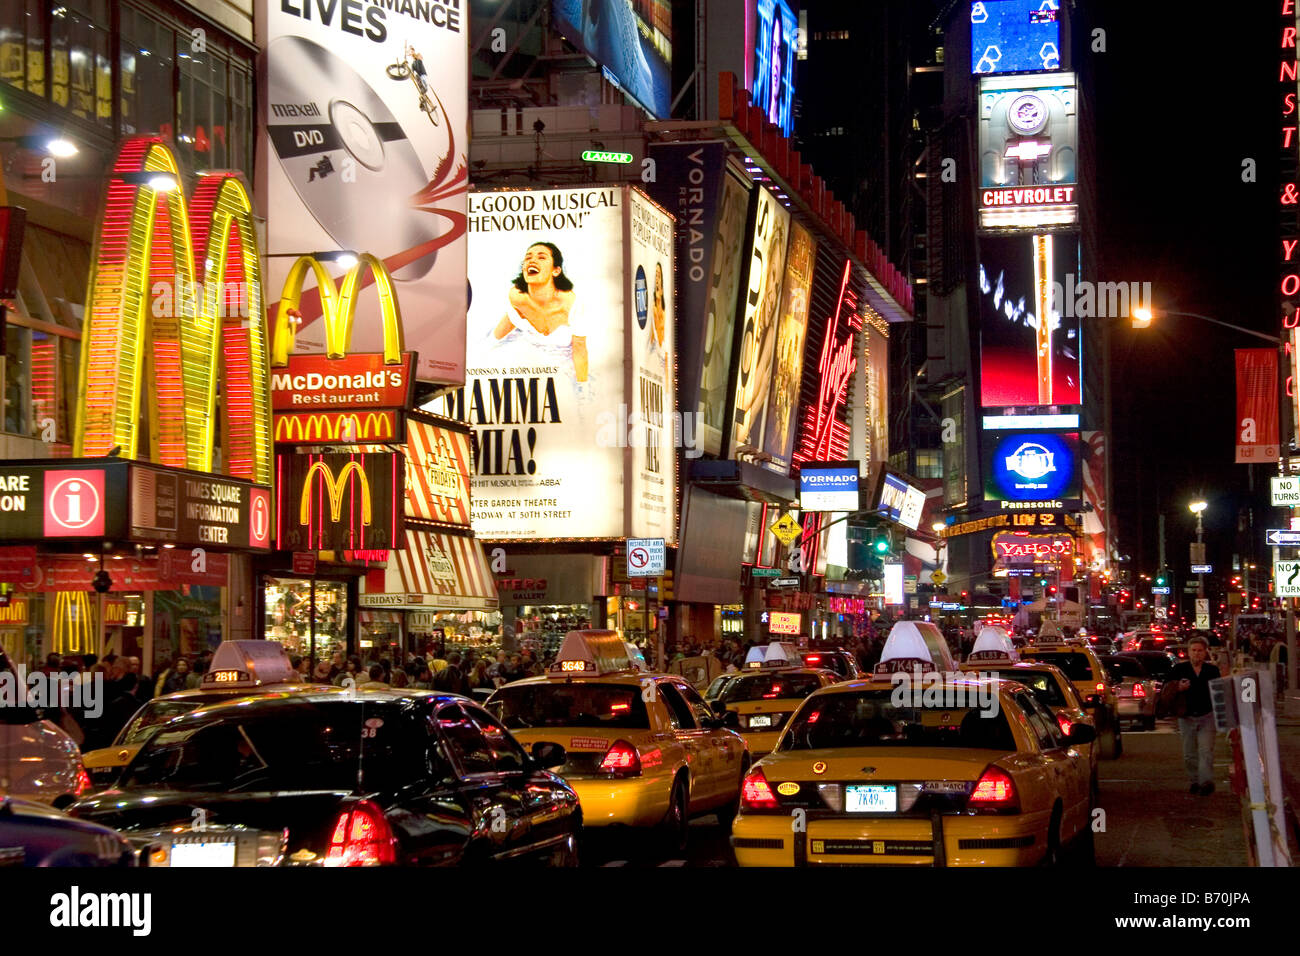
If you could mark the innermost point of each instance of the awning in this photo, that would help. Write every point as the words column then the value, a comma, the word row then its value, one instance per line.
column 435, row 571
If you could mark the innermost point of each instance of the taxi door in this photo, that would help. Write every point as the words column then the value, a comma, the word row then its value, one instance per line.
column 1063, row 764
column 694, row 739
column 726, row 746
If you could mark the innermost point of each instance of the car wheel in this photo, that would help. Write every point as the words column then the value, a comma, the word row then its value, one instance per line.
column 567, row 854
column 727, row 813
column 1053, row 855
column 673, row 828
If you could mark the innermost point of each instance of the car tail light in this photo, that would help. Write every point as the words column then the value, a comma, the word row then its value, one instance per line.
column 622, row 758
column 1101, row 687
column 756, row 794
column 1064, row 723
column 813, row 659
column 83, row 781
column 362, row 837
column 995, row 790
column 1139, row 690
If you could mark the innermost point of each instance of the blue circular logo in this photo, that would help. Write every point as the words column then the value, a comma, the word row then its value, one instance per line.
column 642, row 297
column 1032, row 467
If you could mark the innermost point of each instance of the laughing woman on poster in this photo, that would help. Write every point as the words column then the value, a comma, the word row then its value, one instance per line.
column 543, row 310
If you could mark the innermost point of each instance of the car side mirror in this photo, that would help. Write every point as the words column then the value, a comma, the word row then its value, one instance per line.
column 731, row 720
column 1082, row 734
column 547, row 755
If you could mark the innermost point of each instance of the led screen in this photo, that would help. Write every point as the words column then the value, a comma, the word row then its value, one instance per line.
column 1031, row 466
column 632, row 43
column 1014, row 36
column 774, row 63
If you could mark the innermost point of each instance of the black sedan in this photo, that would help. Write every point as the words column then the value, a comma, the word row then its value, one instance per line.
column 342, row 778
column 33, row 834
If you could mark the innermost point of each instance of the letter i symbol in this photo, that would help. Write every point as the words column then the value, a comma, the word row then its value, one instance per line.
column 74, row 502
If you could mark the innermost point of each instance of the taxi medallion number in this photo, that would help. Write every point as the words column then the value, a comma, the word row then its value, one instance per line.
column 573, row 665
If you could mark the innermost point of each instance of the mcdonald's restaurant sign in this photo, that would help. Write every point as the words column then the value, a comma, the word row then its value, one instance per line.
column 320, row 383
column 376, row 426
column 339, row 502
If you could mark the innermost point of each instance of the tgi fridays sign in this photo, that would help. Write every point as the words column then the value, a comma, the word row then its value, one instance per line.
column 316, row 382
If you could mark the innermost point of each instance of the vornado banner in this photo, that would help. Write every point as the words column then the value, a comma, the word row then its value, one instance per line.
column 337, row 502
column 559, row 420
column 363, row 143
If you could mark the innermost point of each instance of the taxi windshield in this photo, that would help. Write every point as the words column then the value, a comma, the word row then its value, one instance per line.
column 1076, row 666
column 157, row 712
column 770, row 687
column 1044, row 685
column 871, row 719
column 570, row 705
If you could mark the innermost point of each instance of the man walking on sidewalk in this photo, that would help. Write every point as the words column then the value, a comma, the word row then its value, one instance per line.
column 1191, row 703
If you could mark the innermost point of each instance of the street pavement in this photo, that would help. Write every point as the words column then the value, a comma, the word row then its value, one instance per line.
column 1151, row 819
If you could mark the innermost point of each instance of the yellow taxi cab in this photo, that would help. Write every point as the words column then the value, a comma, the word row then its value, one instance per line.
column 995, row 654
column 238, row 669
column 641, row 749
column 918, row 764
column 1083, row 667
column 764, row 697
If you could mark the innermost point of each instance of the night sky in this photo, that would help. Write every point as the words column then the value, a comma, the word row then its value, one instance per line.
column 1183, row 95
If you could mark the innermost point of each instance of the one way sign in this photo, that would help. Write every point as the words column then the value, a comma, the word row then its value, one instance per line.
column 1281, row 538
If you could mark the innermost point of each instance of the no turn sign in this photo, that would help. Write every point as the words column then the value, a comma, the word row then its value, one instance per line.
column 645, row 557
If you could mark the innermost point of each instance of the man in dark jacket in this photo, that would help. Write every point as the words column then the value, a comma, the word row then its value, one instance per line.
column 451, row 678
column 1196, row 714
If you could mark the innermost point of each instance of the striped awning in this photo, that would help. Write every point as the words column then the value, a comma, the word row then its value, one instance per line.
column 436, row 571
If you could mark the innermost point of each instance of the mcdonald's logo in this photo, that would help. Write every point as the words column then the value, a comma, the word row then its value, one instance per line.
column 170, row 322
column 307, row 428
column 339, row 502
column 339, row 308
column 336, row 488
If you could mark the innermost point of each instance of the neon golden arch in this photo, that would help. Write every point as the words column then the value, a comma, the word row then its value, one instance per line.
column 339, row 308
column 333, row 426
column 335, row 488
column 205, row 331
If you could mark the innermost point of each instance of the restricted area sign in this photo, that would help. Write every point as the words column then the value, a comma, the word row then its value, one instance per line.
column 786, row 529
column 645, row 557
column 1286, row 578
column 1202, row 614
column 1286, row 491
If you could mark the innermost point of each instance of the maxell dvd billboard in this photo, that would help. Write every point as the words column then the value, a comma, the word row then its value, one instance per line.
column 362, row 148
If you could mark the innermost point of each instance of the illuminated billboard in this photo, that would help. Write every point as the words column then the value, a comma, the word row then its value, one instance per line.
column 1030, row 350
column 757, row 336
column 774, row 54
column 633, row 44
column 791, row 338
column 900, row 500
column 1028, row 149
column 1032, row 469
column 1015, row 36
column 828, row 486
column 560, row 424
column 363, row 147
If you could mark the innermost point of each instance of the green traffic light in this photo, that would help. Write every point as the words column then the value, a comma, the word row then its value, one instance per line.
column 882, row 545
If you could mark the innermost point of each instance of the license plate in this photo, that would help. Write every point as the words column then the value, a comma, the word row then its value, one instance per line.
column 760, row 720
column 203, row 854
column 871, row 798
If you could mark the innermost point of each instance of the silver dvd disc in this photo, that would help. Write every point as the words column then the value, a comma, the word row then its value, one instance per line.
column 350, row 161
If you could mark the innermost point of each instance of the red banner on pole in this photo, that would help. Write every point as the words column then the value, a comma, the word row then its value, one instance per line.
column 1257, row 411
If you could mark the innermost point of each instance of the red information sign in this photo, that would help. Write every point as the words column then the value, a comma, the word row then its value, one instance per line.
column 304, row 562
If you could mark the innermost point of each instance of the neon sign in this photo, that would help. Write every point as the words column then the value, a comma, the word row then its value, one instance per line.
column 1021, row 548
column 147, row 319
column 1288, row 205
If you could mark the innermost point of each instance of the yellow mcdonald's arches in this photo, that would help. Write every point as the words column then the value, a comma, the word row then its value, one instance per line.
column 338, row 307
column 149, row 320
column 74, row 623
column 334, row 426
column 334, row 487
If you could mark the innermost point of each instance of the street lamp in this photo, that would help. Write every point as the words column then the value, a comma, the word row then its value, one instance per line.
column 1198, row 508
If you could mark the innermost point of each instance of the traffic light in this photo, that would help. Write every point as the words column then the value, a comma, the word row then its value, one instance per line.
column 882, row 542
column 1051, row 589
column 1160, row 580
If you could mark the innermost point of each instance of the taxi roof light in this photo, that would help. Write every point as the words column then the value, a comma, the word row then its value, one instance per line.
column 756, row 793
column 993, row 644
column 249, row 664
column 915, row 645
column 591, row 652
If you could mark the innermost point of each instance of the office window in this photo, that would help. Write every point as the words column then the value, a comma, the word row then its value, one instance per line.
column 929, row 463
column 147, row 60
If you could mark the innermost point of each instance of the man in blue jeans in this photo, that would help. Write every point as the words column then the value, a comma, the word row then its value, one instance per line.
column 1196, row 722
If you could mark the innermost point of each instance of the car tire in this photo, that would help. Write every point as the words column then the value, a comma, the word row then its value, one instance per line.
column 1149, row 723
column 727, row 813
column 673, row 829
column 1052, row 857
column 567, row 854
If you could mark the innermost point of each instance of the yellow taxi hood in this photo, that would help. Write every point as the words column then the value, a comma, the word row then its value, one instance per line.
column 890, row 764
column 105, row 757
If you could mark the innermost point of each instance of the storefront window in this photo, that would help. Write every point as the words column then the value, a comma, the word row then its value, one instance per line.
column 82, row 77
column 22, row 45
column 540, row 629
column 289, row 617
